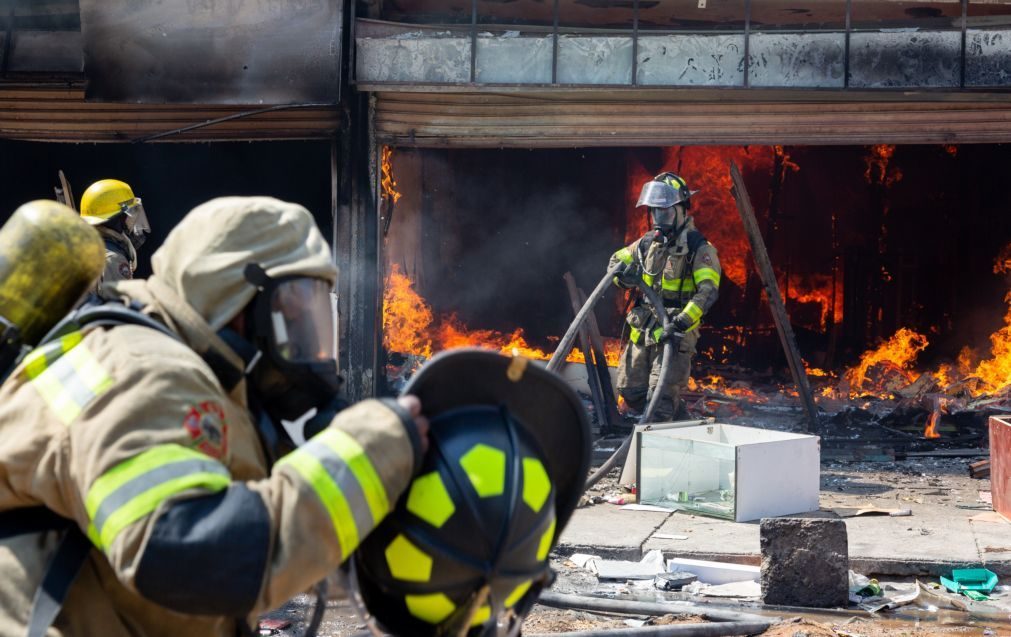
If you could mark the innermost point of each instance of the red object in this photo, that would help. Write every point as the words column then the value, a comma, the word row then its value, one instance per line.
column 1000, row 464
column 274, row 625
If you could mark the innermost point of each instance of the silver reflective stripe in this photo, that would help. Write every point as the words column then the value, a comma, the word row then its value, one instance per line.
column 146, row 481
column 341, row 474
column 73, row 383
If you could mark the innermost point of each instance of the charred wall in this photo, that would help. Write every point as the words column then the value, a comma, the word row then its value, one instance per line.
column 865, row 240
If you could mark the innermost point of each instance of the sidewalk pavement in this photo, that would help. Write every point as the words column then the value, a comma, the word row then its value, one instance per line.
column 932, row 541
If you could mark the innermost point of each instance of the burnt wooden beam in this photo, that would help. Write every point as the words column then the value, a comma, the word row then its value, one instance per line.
column 592, row 377
column 600, row 360
column 779, row 314
column 357, row 252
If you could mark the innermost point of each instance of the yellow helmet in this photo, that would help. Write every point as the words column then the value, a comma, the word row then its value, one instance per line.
column 105, row 199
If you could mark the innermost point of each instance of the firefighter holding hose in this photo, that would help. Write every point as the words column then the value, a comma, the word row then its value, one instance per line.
column 677, row 261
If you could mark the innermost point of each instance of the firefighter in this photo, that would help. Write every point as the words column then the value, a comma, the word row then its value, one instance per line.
column 111, row 207
column 145, row 483
column 682, row 266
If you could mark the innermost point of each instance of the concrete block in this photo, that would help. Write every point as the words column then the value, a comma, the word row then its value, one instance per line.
column 805, row 562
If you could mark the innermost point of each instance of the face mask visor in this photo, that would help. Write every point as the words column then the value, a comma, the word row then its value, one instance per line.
column 664, row 217
column 656, row 194
column 301, row 321
column 136, row 218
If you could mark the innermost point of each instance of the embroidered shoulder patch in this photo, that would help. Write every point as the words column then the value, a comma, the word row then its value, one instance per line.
column 205, row 423
column 708, row 260
column 124, row 270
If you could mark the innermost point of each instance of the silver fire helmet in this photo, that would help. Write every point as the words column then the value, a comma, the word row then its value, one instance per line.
column 656, row 194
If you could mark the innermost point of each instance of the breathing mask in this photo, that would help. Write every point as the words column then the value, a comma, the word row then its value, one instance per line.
column 665, row 219
column 293, row 331
column 135, row 223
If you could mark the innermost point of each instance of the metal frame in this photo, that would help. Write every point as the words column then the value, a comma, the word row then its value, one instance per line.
column 556, row 30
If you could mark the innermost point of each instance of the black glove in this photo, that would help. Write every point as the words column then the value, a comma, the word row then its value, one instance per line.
column 682, row 322
column 677, row 328
column 629, row 276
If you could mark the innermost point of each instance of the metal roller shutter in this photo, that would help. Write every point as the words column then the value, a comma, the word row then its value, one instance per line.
column 43, row 111
column 658, row 118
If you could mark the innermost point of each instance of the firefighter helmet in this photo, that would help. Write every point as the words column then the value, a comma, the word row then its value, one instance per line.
column 684, row 195
column 106, row 199
column 465, row 549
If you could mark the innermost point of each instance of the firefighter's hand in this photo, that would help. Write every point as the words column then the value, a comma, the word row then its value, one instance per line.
column 413, row 406
column 682, row 322
column 629, row 276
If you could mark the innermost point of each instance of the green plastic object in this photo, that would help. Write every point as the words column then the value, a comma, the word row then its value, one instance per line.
column 979, row 580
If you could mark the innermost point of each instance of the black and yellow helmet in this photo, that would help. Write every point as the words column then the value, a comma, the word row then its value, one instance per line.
column 678, row 184
column 465, row 550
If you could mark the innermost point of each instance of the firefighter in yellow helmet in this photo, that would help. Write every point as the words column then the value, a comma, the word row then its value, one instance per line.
column 148, row 489
column 682, row 266
column 111, row 207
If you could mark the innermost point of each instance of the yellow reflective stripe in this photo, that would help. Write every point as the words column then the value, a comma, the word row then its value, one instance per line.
column 648, row 278
column 136, row 487
column 365, row 473
column 671, row 285
column 313, row 472
column 706, row 274
column 657, row 333
column 42, row 357
column 67, row 376
column 693, row 311
column 634, row 335
column 624, row 255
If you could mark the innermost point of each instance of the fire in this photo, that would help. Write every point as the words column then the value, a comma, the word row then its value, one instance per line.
column 716, row 384
column 1002, row 265
column 995, row 372
column 410, row 327
column 407, row 319
column 930, row 431
column 818, row 289
column 878, row 165
column 896, row 354
column 388, row 183
column 940, row 408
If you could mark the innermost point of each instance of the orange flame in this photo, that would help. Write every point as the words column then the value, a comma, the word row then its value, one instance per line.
column 897, row 354
column 410, row 327
column 407, row 319
column 716, row 384
column 818, row 289
column 878, row 166
column 930, row 431
column 995, row 372
column 940, row 407
column 388, row 183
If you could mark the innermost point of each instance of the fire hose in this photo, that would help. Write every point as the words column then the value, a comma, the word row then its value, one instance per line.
column 670, row 347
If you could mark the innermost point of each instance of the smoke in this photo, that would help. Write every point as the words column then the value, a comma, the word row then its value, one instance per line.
column 497, row 240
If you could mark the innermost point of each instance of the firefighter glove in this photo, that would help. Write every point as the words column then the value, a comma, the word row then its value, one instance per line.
column 629, row 276
column 678, row 326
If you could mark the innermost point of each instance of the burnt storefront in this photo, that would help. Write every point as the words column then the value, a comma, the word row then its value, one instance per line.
column 511, row 141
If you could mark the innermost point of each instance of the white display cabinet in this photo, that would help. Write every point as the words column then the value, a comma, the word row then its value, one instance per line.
column 728, row 471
